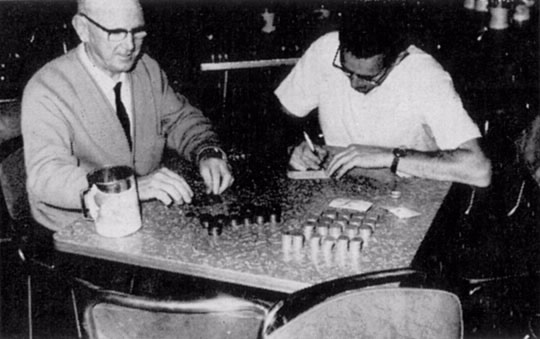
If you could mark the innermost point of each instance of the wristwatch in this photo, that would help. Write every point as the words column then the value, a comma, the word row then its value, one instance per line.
column 398, row 154
column 211, row 152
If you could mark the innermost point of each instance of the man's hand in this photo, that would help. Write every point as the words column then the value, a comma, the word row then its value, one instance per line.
column 166, row 186
column 359, row 156
column 216, row 175
column 303, row 158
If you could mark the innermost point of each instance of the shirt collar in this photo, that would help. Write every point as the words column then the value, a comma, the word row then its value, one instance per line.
column 104, row 80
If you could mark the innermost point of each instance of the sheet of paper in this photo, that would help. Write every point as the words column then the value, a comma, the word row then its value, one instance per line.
column 403, row 212
column 351, row 204
column 307, row 175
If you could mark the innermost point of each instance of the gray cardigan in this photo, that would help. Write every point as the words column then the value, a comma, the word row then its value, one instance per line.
column 70, row 128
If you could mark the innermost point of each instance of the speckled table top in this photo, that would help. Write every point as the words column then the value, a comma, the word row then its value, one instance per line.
column 173, row 239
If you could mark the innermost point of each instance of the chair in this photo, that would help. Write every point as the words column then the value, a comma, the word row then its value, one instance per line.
column 348, row 307
column 32, row 241
column 366, row 306
column 117, row 315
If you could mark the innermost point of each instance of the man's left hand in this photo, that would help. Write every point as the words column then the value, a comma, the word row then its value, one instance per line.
column 216, row 175
column 359, row 156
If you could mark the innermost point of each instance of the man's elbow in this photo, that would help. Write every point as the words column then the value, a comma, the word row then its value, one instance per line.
column 481, row 175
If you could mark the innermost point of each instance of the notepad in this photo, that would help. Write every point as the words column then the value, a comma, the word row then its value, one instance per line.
column 306, row 175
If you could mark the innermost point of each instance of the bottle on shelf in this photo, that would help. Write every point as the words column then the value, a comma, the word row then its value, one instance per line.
column 481, row 5
column 469, row 4
column 499, row 12
column 522, row 12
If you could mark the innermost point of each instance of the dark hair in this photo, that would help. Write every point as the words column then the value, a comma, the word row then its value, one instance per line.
column 371, row 30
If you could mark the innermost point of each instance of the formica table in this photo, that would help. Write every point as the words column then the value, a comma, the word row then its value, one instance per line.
column 173, row 239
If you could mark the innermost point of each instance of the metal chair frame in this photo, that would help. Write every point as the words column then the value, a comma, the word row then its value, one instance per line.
column 274, row 317
column 25, row 231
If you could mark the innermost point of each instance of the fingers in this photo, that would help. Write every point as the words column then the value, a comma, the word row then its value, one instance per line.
column 341, row 164
column 297, row 164
column 322, row 153
column 216, row 175
column 165, row 186
column 303, row 157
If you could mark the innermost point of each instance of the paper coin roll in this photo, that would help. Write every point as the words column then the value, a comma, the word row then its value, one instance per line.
column 286, row 242
column 355, row 247
column 297, row 242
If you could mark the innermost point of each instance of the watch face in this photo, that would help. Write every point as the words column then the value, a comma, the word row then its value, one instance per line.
column 399, row 152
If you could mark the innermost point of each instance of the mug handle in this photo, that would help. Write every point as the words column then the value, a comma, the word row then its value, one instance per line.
column 88, row 203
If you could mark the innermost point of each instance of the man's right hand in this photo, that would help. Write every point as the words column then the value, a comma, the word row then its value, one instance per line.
column 303, row 158
column 165, row 186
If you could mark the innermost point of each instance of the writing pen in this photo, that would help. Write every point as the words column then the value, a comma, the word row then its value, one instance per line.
column 310, row 143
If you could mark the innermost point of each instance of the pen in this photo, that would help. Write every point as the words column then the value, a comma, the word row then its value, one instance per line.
column 309, row 142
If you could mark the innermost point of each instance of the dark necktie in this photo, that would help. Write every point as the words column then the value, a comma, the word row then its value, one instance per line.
column 121, row 112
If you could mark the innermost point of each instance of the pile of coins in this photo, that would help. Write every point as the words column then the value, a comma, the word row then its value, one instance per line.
column 241, row 215
column 342, row 233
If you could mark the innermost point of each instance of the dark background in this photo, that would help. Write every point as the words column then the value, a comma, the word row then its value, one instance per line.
column 495, row 72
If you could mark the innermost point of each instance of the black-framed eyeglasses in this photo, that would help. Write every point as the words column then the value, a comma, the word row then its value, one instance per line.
column 374, row 80
column 118, row 34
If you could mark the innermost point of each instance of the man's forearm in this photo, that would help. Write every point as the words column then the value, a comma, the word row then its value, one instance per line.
column 460, row 165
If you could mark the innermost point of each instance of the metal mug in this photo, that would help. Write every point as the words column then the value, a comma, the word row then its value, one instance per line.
column 112, row 201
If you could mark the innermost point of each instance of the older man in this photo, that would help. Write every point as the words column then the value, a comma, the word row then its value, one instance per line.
column 386, row 104
column 106, row 103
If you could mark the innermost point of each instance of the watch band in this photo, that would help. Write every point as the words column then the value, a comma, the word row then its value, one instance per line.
column 395, row 163
column 211, row 152
column 398, row 154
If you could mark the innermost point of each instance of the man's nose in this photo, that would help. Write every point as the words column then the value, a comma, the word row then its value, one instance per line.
column 358, row 83
column 129, row 41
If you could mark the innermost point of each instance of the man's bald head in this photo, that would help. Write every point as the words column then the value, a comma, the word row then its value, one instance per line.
column 101, row 7
column 112, row 32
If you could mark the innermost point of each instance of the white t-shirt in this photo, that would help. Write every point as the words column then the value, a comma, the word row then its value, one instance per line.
column 415, row 107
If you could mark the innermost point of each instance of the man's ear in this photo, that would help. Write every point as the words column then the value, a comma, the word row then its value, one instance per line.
column 81, row 27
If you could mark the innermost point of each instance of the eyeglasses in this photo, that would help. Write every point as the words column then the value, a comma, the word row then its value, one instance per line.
column 118, row 34
column 374, row 80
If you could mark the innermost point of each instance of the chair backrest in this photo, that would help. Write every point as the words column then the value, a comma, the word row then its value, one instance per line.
column 118, row 315
column 380, row 313
column 13, row 183
column 369, row 305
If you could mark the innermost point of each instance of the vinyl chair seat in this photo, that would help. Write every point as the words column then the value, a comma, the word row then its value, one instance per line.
column 380, row 313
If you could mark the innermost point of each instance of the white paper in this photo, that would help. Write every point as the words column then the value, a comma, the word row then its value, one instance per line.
column 350, row 204
column 403, row 212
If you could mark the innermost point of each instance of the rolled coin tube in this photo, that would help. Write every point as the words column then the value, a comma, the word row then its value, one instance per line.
column 355, row 246
column 342, row 245
column 335, row 231
column 315, row 244
column 286, row 242
column 364, row 232
column 308, row 231
column 297, row 242
column 351, row 231
column 322, row 230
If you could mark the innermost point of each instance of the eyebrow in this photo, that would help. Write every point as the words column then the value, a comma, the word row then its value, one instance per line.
column 114, row 30
column 358, row 75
